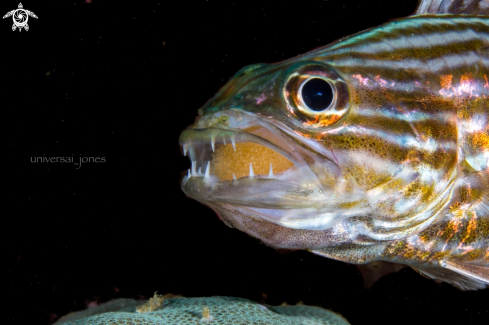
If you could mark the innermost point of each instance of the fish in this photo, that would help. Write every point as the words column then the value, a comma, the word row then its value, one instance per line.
column 372, row 149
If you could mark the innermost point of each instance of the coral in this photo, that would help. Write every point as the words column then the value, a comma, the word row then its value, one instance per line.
column 207, row 310
column 153, row 303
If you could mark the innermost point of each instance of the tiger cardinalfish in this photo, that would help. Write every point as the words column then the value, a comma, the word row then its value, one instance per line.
column 372, row 148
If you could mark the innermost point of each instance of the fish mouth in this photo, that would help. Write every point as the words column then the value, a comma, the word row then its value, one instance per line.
column 238, row 167
column 234, row 154
column 251, row 166
column 248, row 162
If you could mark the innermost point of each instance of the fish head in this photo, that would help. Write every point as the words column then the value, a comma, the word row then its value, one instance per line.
column 290, row 147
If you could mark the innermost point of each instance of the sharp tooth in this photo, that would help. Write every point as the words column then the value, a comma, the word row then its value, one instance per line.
column 194, row 163
column 207, row 169
column 224, row 141
column 234, row 144
column 184, row 149
column 251, row 171
column 185, row 180
column 234, row 176
column 270, row 174
column 191, row 153
column 213, row 139
column 200, row 170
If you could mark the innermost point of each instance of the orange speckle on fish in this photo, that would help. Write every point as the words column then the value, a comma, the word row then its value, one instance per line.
column 470, row 227
column 322, row 121
column 446, row 81
column 313, row 121
column 481, row 139
column 446, row 85
column 452, row 229
column 328, row 120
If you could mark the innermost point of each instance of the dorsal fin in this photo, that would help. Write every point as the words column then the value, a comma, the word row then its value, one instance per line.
column 457, row 7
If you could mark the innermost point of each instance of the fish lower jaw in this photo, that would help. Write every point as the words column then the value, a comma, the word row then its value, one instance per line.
column 289, row 190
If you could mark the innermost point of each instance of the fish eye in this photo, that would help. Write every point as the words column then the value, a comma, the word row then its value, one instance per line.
column 317, row 94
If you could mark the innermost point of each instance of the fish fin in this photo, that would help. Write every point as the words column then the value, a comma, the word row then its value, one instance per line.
column 476, row 271
column 373, row 271
column 476, row 191
column 467, row 7
column 461, row 276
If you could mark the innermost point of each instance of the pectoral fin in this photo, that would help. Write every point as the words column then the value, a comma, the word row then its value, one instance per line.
column 476, row 272
column 476, row 191
column 462, row 276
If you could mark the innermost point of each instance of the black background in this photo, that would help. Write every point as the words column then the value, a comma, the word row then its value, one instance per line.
column 121, row 80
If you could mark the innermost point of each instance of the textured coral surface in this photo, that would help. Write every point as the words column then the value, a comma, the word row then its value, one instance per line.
column 206, row 310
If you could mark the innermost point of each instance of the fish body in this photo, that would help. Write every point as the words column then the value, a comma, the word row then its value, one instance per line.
column 373, row 148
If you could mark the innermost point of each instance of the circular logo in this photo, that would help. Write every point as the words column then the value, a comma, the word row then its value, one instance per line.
column 20, row 17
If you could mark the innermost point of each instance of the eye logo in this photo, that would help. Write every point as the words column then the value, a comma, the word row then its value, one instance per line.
column 20, row 17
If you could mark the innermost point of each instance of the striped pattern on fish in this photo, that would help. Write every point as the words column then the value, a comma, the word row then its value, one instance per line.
column 394, row 169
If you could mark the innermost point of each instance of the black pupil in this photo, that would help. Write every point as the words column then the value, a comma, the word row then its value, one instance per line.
column 317, row 94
